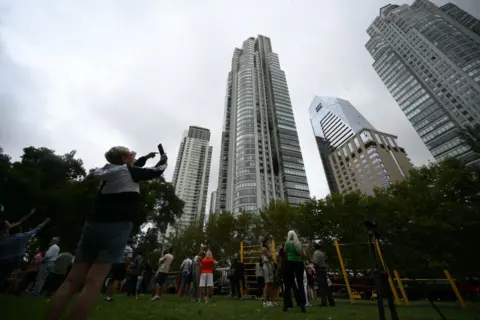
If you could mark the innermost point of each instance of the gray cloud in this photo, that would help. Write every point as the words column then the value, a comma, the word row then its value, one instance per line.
column 88, row 75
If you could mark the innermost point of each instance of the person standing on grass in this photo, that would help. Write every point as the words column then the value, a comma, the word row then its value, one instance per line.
column 294, row 270
column 185, row 268
column 147, row 277
column 260, row 275
column 311, row 281
column 268, row 270
column 48, row 262
column 13, row 248
column 58, row 273
column 105, row 232
column 119, row 271
column 162, row 274
column 206, row 277
column 134, row 274
column 320, row 264
column 30, row 274
column 197, row 263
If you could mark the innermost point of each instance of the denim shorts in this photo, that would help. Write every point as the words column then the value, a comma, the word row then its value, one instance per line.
column 161, row 278
column 103, row 242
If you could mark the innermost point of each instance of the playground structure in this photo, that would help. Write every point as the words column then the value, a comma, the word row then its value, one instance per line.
column 250, row 254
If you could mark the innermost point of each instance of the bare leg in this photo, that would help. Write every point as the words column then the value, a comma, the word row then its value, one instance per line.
column 208, row 293
column 60, row 299
column 90, row 291
column 111, row 287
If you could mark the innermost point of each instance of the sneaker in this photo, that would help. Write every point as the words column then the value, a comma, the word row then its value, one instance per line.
column 108, row 299
column 268, row 304
column 156, row 298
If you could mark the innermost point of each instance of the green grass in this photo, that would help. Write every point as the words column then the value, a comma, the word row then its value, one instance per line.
column 221, row 308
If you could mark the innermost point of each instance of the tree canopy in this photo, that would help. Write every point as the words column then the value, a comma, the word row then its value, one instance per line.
column 60, row 188
column 427, row 223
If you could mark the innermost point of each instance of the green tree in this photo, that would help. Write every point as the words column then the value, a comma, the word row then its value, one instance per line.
column 220, row 235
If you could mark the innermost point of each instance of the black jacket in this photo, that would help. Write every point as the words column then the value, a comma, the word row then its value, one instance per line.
column 118, row 198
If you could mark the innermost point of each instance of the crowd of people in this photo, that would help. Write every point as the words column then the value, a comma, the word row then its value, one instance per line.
column 104, row 251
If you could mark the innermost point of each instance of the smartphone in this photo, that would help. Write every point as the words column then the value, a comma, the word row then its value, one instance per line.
column 160, row 149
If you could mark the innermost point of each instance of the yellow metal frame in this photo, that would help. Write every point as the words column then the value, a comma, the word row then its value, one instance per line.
column 243, row 248
column 390, row 280
column 400, row 286
column 344, row 271
column 455, row 289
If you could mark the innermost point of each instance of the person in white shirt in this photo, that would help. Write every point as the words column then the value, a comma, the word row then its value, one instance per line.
column 185, row 269
column 48, row 262
column 162, row 274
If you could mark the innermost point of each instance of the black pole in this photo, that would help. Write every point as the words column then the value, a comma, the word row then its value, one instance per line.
column 376, row 277
column 380, row 277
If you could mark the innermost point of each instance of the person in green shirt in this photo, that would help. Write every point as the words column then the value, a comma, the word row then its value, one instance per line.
column 294, row 268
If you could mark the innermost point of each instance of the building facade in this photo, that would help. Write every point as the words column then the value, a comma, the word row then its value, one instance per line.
column 429, row 59
column 260, row 157
column 213, row 202
column 192, row 173
column 367, row 160
column 334, row 121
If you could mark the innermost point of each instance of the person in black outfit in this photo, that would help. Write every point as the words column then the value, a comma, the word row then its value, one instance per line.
column 240, row 277
column 136, row 271
column 237, row 278
column 147, row 277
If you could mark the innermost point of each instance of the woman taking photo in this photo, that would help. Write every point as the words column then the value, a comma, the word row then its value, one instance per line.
column 294, row 269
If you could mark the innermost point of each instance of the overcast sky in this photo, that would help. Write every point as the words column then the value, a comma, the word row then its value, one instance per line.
column 91, row 74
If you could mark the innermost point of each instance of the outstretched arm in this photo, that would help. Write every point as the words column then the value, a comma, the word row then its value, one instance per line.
column 22, row 220
column 142, row 174
column 140, row 162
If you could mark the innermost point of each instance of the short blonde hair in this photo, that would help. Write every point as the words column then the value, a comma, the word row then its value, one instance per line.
column 209, row 254
column 115, row 155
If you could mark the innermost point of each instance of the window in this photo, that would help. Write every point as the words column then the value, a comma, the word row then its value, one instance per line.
column 318, row 107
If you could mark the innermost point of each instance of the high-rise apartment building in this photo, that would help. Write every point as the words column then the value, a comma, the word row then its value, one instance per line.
column 355, row 156
column 462, row 17
column 191, row 175
column 429, row 59
column 260, row 157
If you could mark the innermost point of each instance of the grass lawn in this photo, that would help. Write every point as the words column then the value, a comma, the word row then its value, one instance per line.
column 220, row 308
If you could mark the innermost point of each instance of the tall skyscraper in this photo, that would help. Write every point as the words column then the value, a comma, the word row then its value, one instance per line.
column 334, row 121
column 429, row 59
column 260, row 157
column 355, row 156
column 191, row 175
